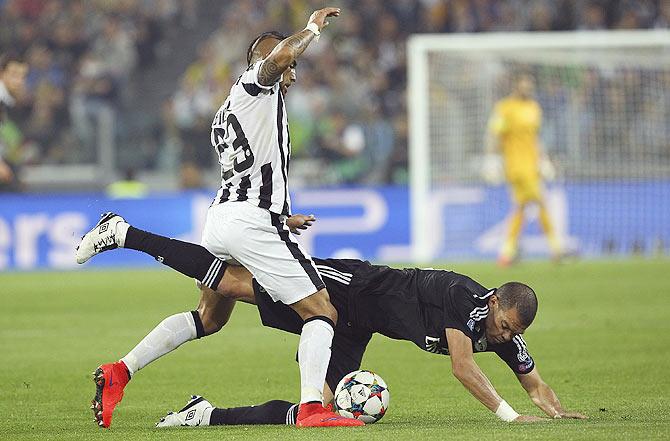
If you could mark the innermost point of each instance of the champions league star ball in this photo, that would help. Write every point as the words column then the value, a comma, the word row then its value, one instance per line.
column 362, row 395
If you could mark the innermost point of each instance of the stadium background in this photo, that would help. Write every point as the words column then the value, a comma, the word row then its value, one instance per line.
column 126, row 90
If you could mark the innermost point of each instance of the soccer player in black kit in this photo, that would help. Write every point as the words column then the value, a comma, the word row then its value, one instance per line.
column 440, row 311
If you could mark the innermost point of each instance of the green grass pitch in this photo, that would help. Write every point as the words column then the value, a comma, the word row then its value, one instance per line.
column 601, row 340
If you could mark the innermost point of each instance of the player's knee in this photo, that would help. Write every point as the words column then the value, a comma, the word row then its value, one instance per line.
column 327, row 311
column 318, row 304
column 323, row 307
column 228, row 289
column 236, row 284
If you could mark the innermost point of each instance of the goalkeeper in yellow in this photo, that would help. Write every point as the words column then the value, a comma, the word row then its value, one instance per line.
column 513, row 133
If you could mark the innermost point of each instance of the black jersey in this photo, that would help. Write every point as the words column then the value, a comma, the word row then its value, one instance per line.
column 419, row 304
column 416, row 305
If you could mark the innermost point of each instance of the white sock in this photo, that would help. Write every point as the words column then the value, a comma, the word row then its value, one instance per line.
column 121, row 231
column 206, row 416
column 164, row 338
column 313, row 358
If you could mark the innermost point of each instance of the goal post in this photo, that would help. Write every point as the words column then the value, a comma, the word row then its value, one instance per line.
column 605, row 97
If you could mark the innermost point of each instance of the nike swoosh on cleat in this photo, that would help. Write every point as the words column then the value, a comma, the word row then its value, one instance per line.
column 110, row 379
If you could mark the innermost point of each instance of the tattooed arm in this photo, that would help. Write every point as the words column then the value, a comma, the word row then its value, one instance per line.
column 283, row 56
column 286, row 52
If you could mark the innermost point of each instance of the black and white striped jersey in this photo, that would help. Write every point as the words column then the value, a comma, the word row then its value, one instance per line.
column 251, row 138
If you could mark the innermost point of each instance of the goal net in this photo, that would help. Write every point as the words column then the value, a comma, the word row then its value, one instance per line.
column 605, row 99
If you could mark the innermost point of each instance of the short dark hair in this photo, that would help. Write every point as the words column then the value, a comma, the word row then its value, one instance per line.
column 10, row 57
column 521, row 297
column 259, row 38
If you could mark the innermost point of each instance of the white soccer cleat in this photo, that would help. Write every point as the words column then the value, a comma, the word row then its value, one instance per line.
column 104, row 236
column 191, row 415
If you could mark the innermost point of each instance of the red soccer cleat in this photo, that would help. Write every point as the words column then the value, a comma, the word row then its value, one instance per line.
column 110, row 379
column 315, row 415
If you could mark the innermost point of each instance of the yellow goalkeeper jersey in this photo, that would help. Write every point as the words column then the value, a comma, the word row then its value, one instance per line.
column 516, row 122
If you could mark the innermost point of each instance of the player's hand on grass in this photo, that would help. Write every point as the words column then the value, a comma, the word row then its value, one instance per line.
column 529, row 419
column 572, row 415
column 299, row 222
column 319, row 17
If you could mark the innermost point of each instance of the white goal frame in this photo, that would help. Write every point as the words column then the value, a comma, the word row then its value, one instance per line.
column 418, row 47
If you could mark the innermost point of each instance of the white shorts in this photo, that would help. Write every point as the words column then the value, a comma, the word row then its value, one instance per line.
column 262, row 243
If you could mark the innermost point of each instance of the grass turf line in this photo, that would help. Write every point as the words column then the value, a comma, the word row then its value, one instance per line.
column 601, row 340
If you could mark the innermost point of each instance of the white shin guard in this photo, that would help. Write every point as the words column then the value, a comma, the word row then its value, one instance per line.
column 313, row 358
column 164, row 338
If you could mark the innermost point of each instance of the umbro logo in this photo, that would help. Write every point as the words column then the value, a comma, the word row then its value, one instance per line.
column 103, row 228
column 190, row 415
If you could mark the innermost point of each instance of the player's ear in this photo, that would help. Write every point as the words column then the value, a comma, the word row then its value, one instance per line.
column 493, row 301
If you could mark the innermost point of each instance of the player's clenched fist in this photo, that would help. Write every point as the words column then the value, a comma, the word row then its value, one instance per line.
column 299, row 222
column 319, row 17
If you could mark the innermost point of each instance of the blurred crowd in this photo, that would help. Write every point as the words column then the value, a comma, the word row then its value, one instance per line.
column 347, row 112
column 81, row 56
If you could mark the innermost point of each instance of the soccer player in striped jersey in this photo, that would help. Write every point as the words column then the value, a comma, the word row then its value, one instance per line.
column 442, row 312
column 245, row 223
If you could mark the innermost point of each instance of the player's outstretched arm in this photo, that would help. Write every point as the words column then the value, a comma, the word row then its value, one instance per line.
column 286, row 52
column 544, row 397
column 471, row 376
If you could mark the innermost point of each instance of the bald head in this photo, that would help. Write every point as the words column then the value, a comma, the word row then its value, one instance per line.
column 520, row 297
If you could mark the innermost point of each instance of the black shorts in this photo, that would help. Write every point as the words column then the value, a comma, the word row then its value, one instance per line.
column 349, row 341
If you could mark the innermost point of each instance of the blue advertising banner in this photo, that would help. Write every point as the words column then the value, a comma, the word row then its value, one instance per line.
column 591, row 219
column 41, row 231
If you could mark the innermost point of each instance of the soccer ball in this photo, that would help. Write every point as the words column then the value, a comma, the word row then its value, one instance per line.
column 362, row 395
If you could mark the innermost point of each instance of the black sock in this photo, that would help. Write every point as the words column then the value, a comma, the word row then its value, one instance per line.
column 199, row 328
column 272, row 412
column 187, row 258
